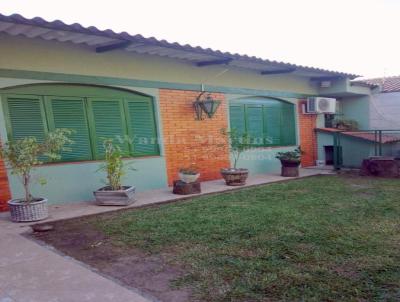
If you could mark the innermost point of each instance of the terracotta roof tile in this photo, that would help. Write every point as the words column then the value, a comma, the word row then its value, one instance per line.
column 388, row 84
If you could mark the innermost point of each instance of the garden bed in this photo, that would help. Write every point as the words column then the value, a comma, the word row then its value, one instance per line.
column 331, row 238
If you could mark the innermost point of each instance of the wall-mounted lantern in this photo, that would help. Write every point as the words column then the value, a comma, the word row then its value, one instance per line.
column 205, row 104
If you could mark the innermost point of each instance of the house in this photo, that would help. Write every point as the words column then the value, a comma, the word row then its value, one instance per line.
column 106, row 84
column 384, row 106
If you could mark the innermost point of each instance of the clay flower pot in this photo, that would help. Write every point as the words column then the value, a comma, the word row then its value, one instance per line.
column 235, row 177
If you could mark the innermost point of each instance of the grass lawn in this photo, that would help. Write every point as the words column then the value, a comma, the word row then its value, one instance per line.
column 328, row 238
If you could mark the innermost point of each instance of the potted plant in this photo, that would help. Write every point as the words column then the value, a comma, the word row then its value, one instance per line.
column 238, row 143
column 345, row 124
column 290, row 161
column 189, row 174
column 22, row 156
column 114, row 193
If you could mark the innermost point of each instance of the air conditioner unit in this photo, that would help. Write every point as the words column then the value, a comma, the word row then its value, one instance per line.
column 321, row 105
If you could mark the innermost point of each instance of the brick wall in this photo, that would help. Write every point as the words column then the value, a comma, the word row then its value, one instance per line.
column 187, row 140
column 4, row 188
column 308, row 138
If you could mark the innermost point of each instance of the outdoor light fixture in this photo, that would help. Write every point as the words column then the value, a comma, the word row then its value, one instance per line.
column 207, row 105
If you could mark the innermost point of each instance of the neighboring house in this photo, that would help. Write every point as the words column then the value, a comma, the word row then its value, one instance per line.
column 384, row 104
column 102, row 84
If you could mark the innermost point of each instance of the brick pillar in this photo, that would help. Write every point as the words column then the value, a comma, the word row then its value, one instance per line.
column 187, row 140
column 308, row 138
column 5, row 194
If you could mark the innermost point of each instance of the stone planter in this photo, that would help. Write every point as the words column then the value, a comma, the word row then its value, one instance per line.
column 188, row 178
column 290, row 168
column 235, row 177
column 107, row 197
column 22, row 211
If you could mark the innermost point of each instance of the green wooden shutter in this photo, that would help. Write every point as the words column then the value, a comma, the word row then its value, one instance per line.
column 108, row 122
column 70, row 113
column 288, row 126
column 272, row 125
column 142, row 126
column 26, row 117
column 237, row 118
column 254, row 124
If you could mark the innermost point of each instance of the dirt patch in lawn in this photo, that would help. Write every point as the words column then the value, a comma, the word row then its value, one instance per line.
column 150, row 274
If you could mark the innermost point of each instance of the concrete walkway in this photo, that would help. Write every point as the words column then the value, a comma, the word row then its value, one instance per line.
column 30, row 272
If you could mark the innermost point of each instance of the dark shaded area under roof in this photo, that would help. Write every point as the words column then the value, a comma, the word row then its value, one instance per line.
column 108, row 40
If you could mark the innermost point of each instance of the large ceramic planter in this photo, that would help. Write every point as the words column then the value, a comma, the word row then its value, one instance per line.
column 235, row 177
column 107, row 197
column 22, row 211
column 188, row 178
column 290, row 168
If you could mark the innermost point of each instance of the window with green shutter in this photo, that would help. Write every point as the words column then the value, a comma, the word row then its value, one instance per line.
column 273, row 123
column 269, row 122
column 237, row 118
column 93, row 113
column 26, row 116
column 254, row 124
column 70, row 113
column 141, row 126
column 108, row 121
column 288, row 126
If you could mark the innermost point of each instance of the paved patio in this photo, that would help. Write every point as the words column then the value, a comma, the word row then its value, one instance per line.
column 30, row 272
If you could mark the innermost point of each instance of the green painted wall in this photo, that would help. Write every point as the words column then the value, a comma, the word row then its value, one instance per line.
column 354, row 150
column 356, row 108
column 262, row 160
column 343, row 87
column 50, row 56
column 76, row 181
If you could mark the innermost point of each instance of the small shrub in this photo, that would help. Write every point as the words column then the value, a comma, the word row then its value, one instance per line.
column 238, row 143
column 114, row 166
column 294, row 155
column 23, row 155
column 345, row 124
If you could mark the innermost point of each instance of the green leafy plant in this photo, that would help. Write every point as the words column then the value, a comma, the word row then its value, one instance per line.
column 294, row 155
column 114, row 166
column 23, row 155
column 238, row 143
column 345, row 124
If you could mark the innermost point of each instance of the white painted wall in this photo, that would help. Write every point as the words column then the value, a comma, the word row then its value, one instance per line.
column 385, row 111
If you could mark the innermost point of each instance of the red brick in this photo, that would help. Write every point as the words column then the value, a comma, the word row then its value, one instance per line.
column 179, row 124
column 308, row 139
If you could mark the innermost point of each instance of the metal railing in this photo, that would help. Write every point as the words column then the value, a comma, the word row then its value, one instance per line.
column 351, row 147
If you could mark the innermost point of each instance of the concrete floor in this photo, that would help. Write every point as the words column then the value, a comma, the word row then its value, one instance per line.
column 30, row 272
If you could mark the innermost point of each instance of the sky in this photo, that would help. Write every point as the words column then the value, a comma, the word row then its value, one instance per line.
column 354, row 36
